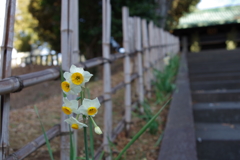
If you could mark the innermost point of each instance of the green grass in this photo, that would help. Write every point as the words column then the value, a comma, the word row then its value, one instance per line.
column 142, row 130
column 164, row 80
column 45, row 135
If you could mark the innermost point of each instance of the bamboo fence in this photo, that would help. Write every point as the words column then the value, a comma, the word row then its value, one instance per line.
column 146, row 43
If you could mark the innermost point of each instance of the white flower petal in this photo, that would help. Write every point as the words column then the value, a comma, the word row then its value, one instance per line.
column 67, row 76
column 73, row 69
column 70, row 120
column 80, row 70
column 75, row 88
column 87, row 102
column 72, row 92
column 74, row 104
column 82, row 110
column 81, row 125
column 96, row 103
column 87, row 76
column 66, row 101
column 98, row 130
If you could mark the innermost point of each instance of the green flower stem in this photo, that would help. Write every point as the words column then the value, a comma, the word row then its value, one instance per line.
column 141, row 131
column 85, row 142
column 77, row 116
column 78, row 98
column 85, row 139
column 91, row 138
column 95, row 125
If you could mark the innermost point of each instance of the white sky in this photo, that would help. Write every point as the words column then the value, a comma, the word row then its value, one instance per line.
column 206, row 4
column 2, row 13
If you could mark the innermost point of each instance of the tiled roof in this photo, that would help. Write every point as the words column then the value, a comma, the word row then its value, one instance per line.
column 210, row 17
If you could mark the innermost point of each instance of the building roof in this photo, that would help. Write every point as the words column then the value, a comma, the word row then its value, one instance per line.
column 208, row 17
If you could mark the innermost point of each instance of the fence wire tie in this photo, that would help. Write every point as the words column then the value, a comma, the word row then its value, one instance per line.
column 107, row 99
column 20, row 81
column 13, row 156
column 107, row 60
column 128, row 122
column 83, row 64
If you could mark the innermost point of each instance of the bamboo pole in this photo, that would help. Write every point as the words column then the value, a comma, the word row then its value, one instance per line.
column 74, row 25
column 161, row 47
column 157, row 48
column 106, row 30
column 160, row 58
column 65, row 64
column 151, row 44
column 147, row 75
column 5, row 71
column 127, row 65
column 138, row 47
column 67, row 46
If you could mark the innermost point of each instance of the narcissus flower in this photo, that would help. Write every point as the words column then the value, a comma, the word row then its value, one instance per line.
column 69, row 107
column 75, row 124
column 98, row 130
column 89, row 107
column 77, row 76
column 166, row 60
column 69, row 88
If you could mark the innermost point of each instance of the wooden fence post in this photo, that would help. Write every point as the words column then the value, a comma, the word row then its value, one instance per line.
column 5, row 71
column 151, row 45
column 69, row 33
column 65, row 147
column 127, row 66
column 106, row 33
column 147, row 74
column 138, row 47
column 161, row 47
column 156, row 48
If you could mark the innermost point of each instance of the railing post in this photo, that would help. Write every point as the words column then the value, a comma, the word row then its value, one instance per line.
column 161, row 48
column 69, row 44
column 138, row 47
column 106, row 33
column 5, row 71
column 151, row 44
column 127, row 66
column 147, row 74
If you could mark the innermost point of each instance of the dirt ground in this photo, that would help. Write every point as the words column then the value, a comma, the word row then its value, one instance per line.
column 24, row 126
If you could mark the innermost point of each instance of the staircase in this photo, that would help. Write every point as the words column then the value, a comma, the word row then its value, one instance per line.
column 215, row 89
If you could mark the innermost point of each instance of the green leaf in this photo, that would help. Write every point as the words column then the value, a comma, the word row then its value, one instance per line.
column 45, row 135
column 141, row 131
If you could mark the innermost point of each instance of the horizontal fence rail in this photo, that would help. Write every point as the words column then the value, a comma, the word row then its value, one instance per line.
column 17, row 83
column 35, row 144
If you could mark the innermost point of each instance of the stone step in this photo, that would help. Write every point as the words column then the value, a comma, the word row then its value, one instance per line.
column 216, row 95
column 213, row 54
column 214, row 76
column 213, row 60
column 214, row 70
column 213, row 85
column 218, row 141
column 216, row 65
column 224, row 112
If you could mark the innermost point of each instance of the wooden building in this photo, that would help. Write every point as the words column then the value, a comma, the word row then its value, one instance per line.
column 216, row 28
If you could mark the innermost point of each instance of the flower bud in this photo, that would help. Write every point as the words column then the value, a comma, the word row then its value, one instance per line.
column 97, row 130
